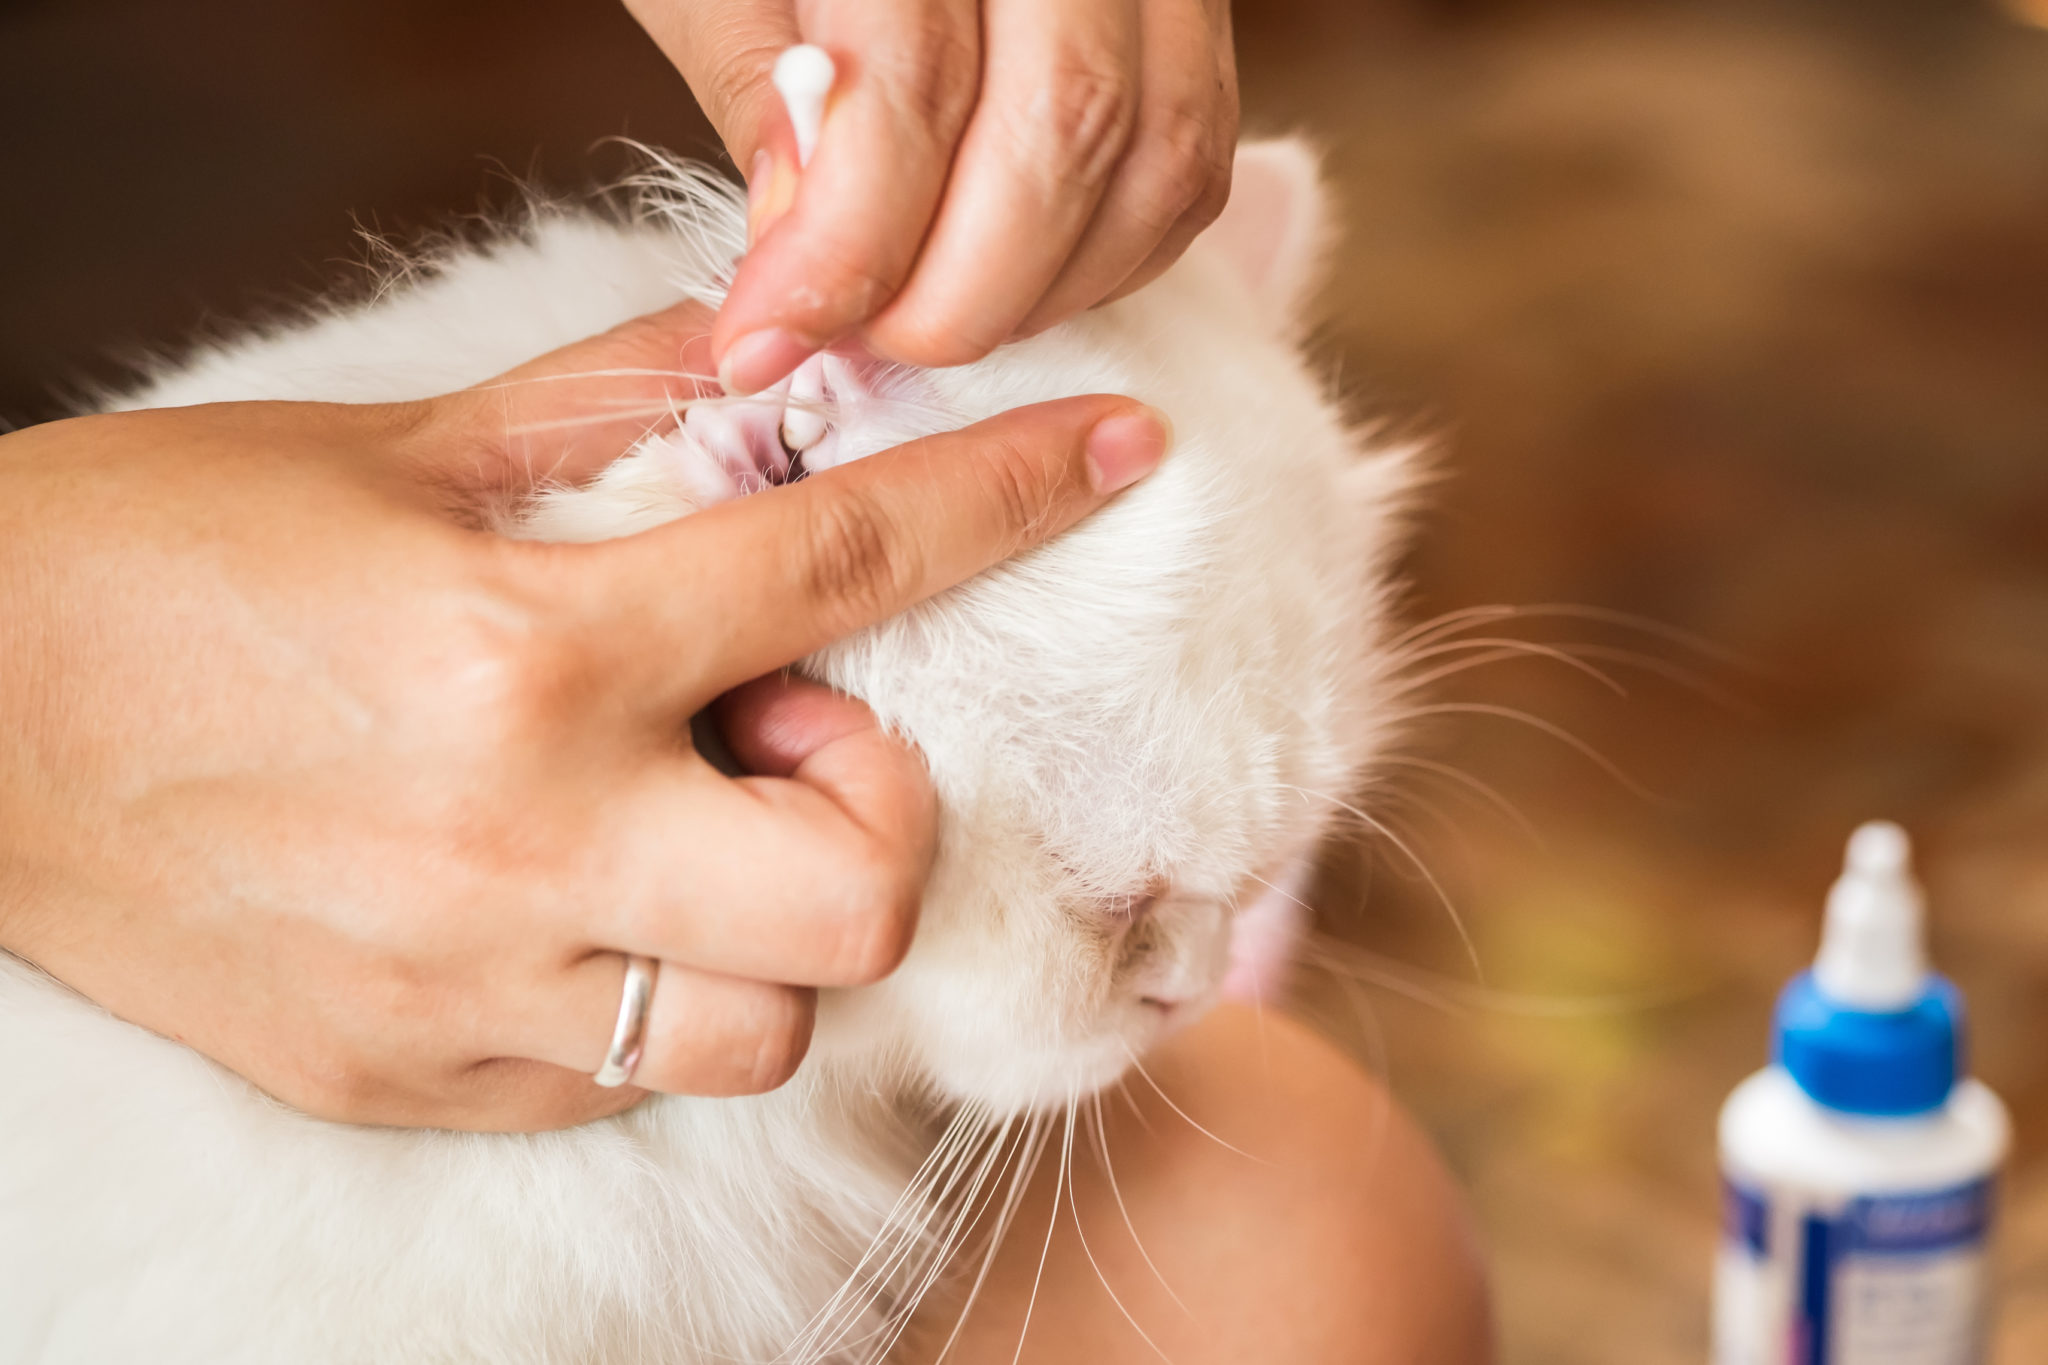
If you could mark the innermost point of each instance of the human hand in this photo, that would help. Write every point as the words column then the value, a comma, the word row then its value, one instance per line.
column 986, row 169
column 305, row 769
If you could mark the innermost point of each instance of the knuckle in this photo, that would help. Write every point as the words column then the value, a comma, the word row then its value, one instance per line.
column 1017, row 482
column 1083, row 119
column 1191, row 165
column 1214, row 194
column 933, row 75
column 339, row 1086
column 855, row 566
column 782, row 1039
column 496, row 678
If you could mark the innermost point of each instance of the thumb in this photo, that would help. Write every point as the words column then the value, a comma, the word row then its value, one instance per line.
column 568, row 414
column 726, row 50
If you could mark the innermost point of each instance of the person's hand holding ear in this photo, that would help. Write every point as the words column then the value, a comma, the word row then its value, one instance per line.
column 303, row 766
column 987, row 168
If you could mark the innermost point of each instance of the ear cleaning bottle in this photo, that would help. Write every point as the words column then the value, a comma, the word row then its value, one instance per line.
column 1859, row 1168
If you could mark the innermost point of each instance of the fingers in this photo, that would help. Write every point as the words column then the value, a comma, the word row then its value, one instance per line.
column 1056, row 112
column 782, row 726
column 971, row 183
column 731, row 926
column 1175, row 178
column 567, row 414
column 706, row 1034
column 714, row 1033
column 812, row 878
column 908, row 75
column 684, row 612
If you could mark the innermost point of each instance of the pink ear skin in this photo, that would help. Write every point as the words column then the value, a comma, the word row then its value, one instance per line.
column 845, row 381
column 735, row 446
column 740, row 439
column 1266, row 937
column 1274, row 229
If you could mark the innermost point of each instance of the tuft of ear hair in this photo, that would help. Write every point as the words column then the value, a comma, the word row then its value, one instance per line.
column 1276, row 228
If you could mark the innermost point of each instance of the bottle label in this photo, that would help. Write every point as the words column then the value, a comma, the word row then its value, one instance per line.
column 1805, row 1278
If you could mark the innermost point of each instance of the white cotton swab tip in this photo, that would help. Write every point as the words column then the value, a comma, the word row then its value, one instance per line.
column 803, row 77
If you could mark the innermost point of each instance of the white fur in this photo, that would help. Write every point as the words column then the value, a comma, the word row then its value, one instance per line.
column 1166, row 695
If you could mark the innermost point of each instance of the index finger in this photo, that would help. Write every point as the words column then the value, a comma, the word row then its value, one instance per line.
column 746, row 587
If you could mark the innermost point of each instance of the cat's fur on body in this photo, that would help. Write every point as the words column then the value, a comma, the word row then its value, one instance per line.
column 1169, row 696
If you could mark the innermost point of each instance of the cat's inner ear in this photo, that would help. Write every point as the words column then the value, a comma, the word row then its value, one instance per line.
column 1275, row 228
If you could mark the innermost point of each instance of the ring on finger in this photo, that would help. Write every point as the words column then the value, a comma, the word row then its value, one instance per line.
column 630, row 1032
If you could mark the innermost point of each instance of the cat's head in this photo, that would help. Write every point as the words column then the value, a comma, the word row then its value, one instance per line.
column 1142, row 727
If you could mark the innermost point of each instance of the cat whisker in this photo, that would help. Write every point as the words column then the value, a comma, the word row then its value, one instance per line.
column 1484, row 791
column 1322, row 951
column 640, row 399
column 1373, row 823
column 896, row 1234
column 621, row 372
column 1116, row 1192
column 1074, row 1206
column 1380, row 1060
column 1420, row 681
column 1440, row 819
column 647, row 410
column 1555, row 731
column 1500, row 649
column 1051, row 1224
column 1575, row 655
column 1030, row 1148
column 1452, row 623
column 915, row 1240
column 964, row 1214
column 1138, row 1068
column 1283, row 893
column 1345, row 961
column 1123, row 1089
column 971, row 1209
column 1670, row 672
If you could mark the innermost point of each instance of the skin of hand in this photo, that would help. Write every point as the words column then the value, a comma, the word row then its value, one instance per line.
column 303, row 766
column 987, row 168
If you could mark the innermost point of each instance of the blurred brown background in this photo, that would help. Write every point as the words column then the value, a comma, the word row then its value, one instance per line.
column 1730, row 318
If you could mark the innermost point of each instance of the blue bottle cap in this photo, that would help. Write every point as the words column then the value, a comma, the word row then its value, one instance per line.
column 1888, row 1063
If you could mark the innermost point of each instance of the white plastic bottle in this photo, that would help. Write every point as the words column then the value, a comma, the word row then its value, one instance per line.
column 1859, row 1168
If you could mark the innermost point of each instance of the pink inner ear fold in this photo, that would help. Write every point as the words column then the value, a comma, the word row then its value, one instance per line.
column 731, row 447
column 1273, row 229
column 843, row 385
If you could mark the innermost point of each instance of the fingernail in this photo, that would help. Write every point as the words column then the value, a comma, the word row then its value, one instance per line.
column 1123, row 449
column 771, row 189
column 758, row 359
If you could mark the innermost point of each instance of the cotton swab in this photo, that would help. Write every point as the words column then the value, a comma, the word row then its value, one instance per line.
column 803, row 77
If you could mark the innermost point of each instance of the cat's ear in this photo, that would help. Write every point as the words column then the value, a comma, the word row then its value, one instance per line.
column 1276, row 227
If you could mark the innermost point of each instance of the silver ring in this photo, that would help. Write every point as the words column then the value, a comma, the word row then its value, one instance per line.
column 631, row 1030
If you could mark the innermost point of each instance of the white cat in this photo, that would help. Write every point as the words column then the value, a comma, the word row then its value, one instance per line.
column 1133, row 731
